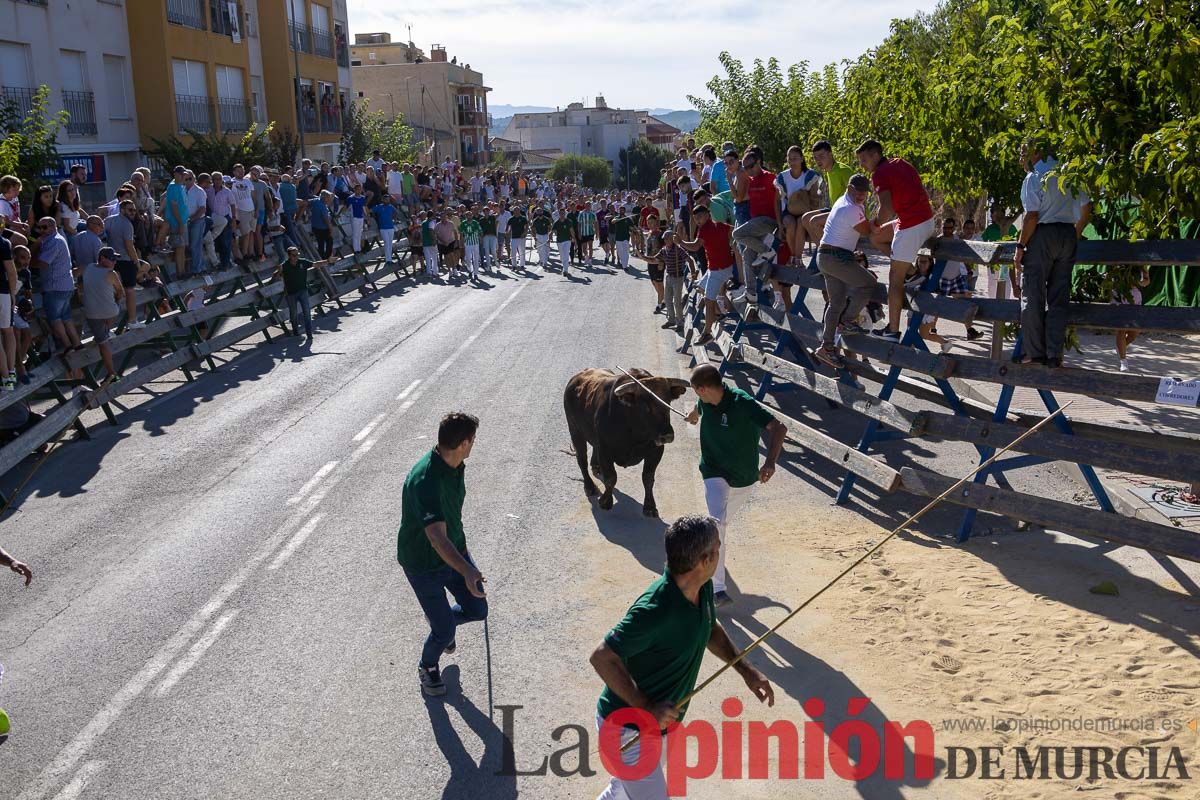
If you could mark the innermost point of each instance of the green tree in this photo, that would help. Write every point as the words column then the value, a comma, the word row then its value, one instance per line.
column 207, row 152
column 595, row 171
column 30, row 145
column 356, row 136
column 285, row 145
column 639, row 165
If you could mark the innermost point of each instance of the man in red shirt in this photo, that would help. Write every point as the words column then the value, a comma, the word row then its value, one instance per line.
column 756, row 238
column 714, row 239
column 905, row 217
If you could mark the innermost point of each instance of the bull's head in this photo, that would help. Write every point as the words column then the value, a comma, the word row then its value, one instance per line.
column 650, row 420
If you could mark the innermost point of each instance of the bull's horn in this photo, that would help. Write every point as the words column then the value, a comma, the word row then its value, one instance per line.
column 680, row 382
column 625, row 387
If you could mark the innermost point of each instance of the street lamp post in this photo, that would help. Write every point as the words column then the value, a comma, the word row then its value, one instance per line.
column 299, row 88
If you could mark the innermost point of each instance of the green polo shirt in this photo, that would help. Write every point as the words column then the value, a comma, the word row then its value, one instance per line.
column 516, row 226
column 433, row 492
column 661, row 641
column 295, row 276
column 619, row 228
column 837, row 179
column 563, row 228
column 488, row 225
column 427, row 237
column 406, row 182
column 729, row 434
column 541, row 225
column 992, row 233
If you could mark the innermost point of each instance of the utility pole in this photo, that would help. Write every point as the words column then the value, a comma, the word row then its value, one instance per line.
column 292, row 34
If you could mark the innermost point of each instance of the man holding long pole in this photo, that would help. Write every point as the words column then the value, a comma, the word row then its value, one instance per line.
column 651, row 658
column 432, row 545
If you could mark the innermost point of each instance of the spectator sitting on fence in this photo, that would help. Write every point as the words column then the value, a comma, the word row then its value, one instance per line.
column 89, row 241
column 150, row 279
column 1045, row 257
column 102, row 295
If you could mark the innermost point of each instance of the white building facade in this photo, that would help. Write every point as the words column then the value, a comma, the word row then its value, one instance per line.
column 577, row 130
column 81, row 52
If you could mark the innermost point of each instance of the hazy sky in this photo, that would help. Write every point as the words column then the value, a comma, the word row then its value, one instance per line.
column 638, row 53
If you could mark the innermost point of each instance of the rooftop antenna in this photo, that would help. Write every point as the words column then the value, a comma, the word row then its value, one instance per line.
column 409, row 26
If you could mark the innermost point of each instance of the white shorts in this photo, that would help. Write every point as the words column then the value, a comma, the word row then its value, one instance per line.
column 6, row 310
column 714, row 279
column 906, row 243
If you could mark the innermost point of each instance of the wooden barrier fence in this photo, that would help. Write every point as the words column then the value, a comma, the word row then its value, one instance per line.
column 891, row 394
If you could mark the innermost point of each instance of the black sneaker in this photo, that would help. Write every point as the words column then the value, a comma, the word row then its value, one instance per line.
column 973, row 334
column 887, row 335
column 431, row 681
column 722, row 599
column 450, row 648
column 666, row 325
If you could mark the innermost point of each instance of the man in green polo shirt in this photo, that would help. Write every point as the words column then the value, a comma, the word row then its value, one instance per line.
column 731, row 424
column 837, row 178
column 651, row 658
column 564, row 235
column 432, row 546
column 541, row 236
column 619, row 228
column 294, row 272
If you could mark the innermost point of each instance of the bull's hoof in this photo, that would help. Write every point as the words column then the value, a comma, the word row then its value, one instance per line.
column 591, row 490
column 650, row 511
column 606, row 501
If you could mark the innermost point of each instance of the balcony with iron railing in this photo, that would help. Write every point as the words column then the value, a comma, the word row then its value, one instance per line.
column 322, row 42
column 193, row 113
column 81, row 108
column 343, row 52
column 189, row 13
column 236, row 116
column 42, row 3
column 473, row 119
column 331, row 120
column 301, row 37
column 19, row 99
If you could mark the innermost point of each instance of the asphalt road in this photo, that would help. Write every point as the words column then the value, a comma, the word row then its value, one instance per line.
column 217, row 611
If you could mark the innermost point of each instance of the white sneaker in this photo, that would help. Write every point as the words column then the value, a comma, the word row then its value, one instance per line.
column 1124, row 368
column 135, row 325
column 779, row 304
column 946, row 346
column 769, row 239
column 738, row 296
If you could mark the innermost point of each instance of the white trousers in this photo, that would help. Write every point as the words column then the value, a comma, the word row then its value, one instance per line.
column 623, row 253
column 388, row 235
column 471, row 256
column 651, row 787
column 723, row 501
column 431, row 259
column 356, row 230
column 517, row 254
column 543, row 248
column 564, row 255
column 489, row 252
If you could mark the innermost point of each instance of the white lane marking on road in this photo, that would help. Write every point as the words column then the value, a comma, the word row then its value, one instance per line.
column 82, row 778
column 313, row 481
column 370, row 426
column 74, row 751
column 362, row 450
column 193, row 655
column 295, row 542
column 408, row 390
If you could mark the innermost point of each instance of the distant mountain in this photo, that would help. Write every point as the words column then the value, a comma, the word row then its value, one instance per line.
column 684, row 120
column 508, row 111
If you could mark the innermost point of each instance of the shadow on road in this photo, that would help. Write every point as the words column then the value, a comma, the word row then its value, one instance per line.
column 625, row 525
column 468, row 779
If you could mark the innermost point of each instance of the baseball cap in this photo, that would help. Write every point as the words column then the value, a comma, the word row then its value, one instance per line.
column 108, row 253
column 729, row 151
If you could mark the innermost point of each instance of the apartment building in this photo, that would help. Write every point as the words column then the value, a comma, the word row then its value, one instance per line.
column 443, row 101
column 228, row 65
column 81, row 51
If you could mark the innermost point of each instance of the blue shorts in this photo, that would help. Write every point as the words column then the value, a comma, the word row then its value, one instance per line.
column 57, row 306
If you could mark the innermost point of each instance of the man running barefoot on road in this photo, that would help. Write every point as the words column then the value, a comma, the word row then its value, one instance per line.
column 432, row 546
column 650, row 660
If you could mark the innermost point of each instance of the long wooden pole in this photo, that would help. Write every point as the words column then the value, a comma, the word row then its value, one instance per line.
column 754, row 645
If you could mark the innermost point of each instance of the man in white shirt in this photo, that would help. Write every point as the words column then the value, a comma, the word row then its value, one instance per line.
column 223, row 208
column 847, row 281
column 247, row 214
column 376, row 162
column 503, row 234
column 395, row 184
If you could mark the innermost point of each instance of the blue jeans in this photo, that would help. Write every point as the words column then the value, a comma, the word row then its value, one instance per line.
column 195, row 232
column 299, row 303
column 224, row 246
column 430, row 588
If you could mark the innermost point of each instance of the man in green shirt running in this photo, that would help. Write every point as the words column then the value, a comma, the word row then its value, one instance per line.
column 432, row 545
column 294, row 272
column 837, row 178
column 564, row 235
column 731, row 424
column 650, row 660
